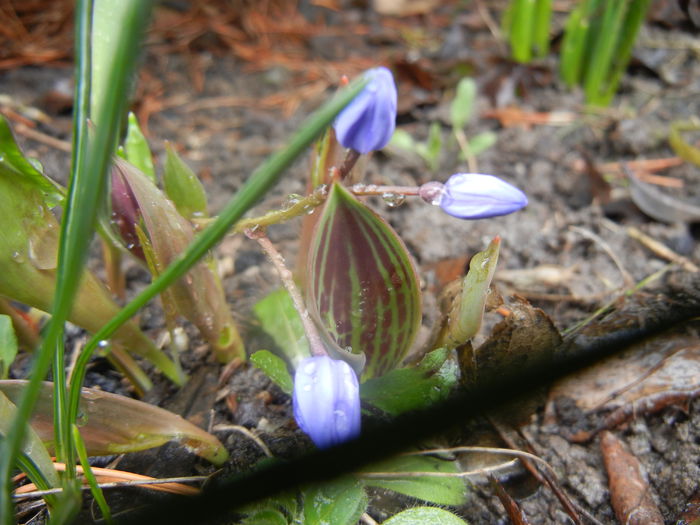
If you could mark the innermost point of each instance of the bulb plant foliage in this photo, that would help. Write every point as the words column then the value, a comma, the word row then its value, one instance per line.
column 362, row 290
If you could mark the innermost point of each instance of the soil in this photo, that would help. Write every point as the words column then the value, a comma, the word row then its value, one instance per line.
column 570, row 252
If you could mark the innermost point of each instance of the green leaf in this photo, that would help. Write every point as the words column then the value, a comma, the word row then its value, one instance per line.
column 15, row 164
column 403, row 140
column 440, row 490
column 183, row 187
column 521, row 29
column 430, row 150
column 684, row 148
column 275, row 368
column 413, row 388
column 463, row 104
column 137, row 150
column 362, row 285
column 432, row 515
column 265, row 517
column 280, row 320
column 337, row 502
column 481, row 142
column 467, row 312
column 8, row 345
column 113, row 424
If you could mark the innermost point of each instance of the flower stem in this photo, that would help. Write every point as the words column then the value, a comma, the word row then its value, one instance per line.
column 315, row 344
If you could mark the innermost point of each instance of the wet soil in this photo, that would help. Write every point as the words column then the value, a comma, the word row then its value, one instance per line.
column 574, row 236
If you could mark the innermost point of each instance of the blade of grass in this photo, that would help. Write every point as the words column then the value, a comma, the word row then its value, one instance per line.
column 262, row 179
column 633, row 21
column 85, row 195
column 598, row 67
column 521, row 30
column 89, row 476
column 576, row 33
column 540, row 29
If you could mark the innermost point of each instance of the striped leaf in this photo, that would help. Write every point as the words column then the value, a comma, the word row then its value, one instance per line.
column 361, row 283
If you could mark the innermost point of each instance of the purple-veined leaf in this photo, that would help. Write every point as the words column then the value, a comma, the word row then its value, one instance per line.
column 361, row 283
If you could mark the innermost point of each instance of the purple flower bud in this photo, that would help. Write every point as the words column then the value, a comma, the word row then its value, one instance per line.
column 475, row 196
column 126, row 214
column 326, row 400
column 368, row 122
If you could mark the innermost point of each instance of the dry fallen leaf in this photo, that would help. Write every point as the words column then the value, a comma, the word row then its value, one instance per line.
column 630, row 493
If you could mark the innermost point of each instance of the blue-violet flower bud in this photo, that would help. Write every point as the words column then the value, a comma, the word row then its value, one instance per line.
column 326, row 400
column 475, row 196
column 368, row 122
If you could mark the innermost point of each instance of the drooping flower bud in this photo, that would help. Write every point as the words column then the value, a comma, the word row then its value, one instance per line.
column 368, row 122
column 125, row 210
column 326, row 400
column 476, row 196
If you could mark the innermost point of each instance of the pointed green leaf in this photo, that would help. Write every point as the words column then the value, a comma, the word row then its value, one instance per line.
column 136, row 148
column 183, row 187
column 340, row 502
column 463, row 104
column 113, row 424
column 481, row 142
column 464, row 319
column 275, row 368
column 279, row 319
column 432, row 515
column 403, row 140
column 15, row 164
column 362, row 285
column 413, row 388
column 8, row 345
column 440, row 490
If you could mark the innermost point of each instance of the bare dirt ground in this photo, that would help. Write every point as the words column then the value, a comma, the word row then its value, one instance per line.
column 226, row 84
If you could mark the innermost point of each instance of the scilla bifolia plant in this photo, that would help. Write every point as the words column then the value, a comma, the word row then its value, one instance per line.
column 364, row 304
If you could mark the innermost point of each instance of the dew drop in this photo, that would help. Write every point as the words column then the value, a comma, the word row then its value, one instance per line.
column 358, row 188
column 291, row 200
column 393, row 200
column 306, row 388
column 17, row 257
column 103, row 343
column 309, row 368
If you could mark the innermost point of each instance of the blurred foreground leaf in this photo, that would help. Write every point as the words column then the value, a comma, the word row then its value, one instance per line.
column 113, row 424
column 440, row 490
